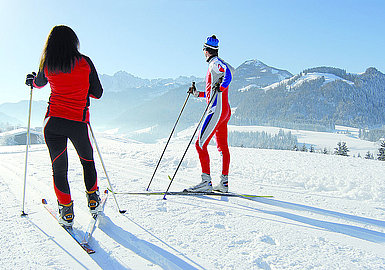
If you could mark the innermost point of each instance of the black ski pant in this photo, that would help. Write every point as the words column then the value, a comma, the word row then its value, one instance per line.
column 57, row 131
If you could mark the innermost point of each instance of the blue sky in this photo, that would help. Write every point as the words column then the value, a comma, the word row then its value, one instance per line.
column 153, row 39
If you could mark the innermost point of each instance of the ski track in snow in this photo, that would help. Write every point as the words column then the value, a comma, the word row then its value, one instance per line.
column 328, row 212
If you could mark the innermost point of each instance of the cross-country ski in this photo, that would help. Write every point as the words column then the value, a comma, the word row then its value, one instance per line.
column 184, row 193
column 77, row 235
column 82, row 238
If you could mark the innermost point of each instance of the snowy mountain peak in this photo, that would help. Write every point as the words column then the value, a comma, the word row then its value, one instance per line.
column 255, row 63
column 257, row 73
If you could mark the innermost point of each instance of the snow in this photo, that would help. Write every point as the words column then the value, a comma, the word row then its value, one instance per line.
column 313, row 76
column 328, row 211
column 256, row 63
column 144, row 130
column 307, row 77
column 18, row 132
column 247, row 88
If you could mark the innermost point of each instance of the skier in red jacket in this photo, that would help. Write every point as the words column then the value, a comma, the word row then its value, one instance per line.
column 218, row 79
column 73, row 80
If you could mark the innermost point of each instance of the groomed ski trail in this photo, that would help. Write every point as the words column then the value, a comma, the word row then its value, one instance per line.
column 265, row 234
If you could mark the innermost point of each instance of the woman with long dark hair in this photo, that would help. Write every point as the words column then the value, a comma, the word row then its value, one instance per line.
column 73, row 80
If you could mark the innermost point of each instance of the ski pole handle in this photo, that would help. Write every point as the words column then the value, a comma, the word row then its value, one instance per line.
column 192, row 89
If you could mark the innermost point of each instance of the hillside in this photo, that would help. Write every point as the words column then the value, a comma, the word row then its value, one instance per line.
column 327, row 212
column 319, row 98
column 258, row 74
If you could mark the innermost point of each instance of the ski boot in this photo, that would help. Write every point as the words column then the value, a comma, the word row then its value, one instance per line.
column 66, row 212
column 94, row 201
column 223, row 185
column 204, row 186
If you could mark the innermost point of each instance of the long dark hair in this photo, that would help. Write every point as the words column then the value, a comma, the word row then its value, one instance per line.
column 61, row 50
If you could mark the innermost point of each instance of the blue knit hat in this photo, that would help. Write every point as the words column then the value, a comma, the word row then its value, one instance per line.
column 212, row 43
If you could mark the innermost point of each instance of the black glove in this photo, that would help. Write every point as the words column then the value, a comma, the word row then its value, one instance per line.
column 30, row 78
column 217, row 87
column 192, row 89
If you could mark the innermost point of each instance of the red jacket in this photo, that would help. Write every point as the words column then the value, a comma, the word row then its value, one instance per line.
column 71, row 92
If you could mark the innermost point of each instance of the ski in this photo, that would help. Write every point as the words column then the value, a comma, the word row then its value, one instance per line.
column 92, row 225
column 183, row 193
column 70, row 231
column 83, row 241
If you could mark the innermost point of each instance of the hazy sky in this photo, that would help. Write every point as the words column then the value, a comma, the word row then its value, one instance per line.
column 153, row 39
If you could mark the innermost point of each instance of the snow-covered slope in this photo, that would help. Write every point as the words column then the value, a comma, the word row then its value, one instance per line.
column 292, row 84
column 327, row 212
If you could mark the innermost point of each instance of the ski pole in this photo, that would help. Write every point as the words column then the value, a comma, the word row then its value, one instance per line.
column 169, row 138
column 215, row 93
column 26, row 150
column 105, row 171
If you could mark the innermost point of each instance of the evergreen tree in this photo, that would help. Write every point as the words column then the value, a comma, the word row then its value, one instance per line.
column 312, row 149
column 304, row 148
column 381, row 154
column 341, row 149
column 369, row 155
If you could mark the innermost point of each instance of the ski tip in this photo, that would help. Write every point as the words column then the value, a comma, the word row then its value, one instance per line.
column 43, row 201
column 169, row 177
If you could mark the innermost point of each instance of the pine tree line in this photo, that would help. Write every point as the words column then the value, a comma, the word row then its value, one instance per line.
column 372, row 135
column 263, row 140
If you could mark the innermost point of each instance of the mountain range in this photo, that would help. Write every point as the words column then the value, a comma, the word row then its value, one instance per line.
column 317, row 99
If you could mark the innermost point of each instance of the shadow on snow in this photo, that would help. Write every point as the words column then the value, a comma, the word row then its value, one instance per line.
column 146, row 250
column 350, row 230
